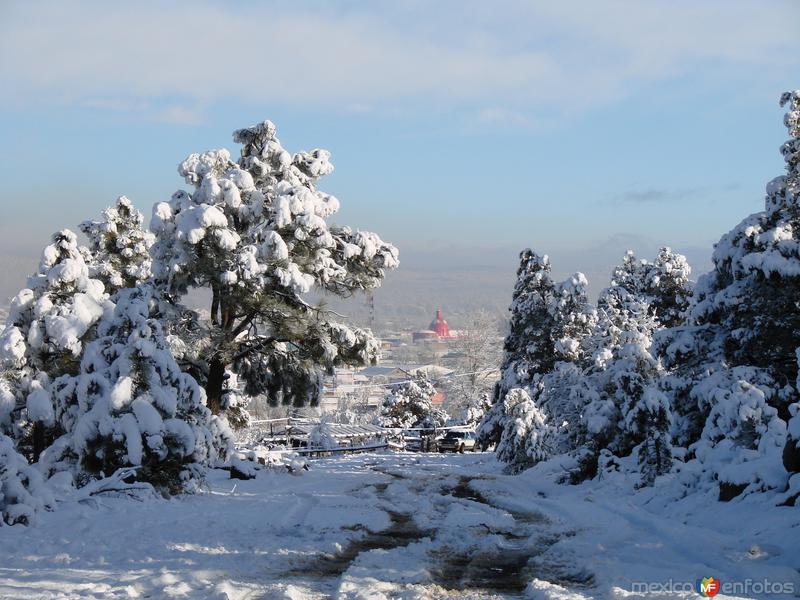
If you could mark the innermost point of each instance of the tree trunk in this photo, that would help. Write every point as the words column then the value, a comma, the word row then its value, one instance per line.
column 216, row 378
column 38, row 440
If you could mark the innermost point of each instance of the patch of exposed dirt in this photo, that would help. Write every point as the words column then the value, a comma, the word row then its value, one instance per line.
column 402, row 532
column 464, row 491
column 506, row 568
column 498, row 571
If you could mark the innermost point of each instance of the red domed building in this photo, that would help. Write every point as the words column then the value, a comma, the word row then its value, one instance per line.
column 438, row 330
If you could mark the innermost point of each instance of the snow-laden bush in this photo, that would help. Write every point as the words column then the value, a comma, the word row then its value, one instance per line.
column 131, row 406
column 743, row 438
column 321, row 437
column 23, row 491
column 472, row 414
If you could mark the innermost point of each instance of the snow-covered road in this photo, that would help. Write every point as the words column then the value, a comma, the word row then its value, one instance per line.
column 390, row 525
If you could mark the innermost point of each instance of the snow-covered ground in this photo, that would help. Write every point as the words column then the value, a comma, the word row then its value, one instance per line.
column 392, row 525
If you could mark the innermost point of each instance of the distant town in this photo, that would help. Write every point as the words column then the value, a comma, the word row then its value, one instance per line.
column 460, row 363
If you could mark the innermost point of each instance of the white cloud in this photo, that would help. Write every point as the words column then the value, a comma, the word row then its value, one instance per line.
column 511, row 57
column 502, row 116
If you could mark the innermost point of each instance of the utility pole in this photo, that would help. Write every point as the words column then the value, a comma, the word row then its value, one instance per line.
column 371, row 309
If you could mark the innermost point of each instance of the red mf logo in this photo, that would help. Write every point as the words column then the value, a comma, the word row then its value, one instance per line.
column 708, row 586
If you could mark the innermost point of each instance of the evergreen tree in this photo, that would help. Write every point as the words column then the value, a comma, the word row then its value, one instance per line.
column 524, row 440
column 43, row 339
column 743, row 437
column 409, row 404
column 255, row 234
column 558, row 394
column 791, row 452
column 131, row 406
column 733, row 365
column 624, row 410
column 750, row 296
column 662, row 284
column 573, row 317
column 119, row 247
column 528, row 346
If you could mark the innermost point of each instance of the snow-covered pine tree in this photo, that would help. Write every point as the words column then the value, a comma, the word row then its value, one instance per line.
column 743, row 437
column 43, row 339
column 409, row 404
column 746, row 314
column 254, row 233
column 628, row 408
column 528, row 346
column 662, row 284
column 559, row 394
column 131, row 406
column 119, row 247
column 791, row 450
column 624, row 410
column 525, row 437
column 573, row 317
column 752, row 292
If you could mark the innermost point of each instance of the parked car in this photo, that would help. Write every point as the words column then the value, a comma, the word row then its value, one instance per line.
column 458, row 441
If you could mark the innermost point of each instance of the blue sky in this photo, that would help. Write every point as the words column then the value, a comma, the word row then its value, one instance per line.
column 461, row 131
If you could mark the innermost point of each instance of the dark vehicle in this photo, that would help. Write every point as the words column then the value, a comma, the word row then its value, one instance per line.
column 458, row 441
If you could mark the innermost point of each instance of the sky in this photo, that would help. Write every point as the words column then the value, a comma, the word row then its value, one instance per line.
column 461, row 131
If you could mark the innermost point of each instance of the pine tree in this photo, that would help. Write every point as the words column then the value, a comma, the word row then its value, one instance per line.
column 528, row 347
column 44, row 337
column 525, row 436
column 573, row 317
column 624, row 409
column 131, row 406
column 558, row 393
column 743, row 436
column 409, row 404
column 791, row 451
column 254, row 233
column 733, row 365
column 119, row 247
column 751, row 293
column 662, row 284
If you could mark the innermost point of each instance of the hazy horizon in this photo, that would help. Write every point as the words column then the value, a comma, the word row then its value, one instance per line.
column 462, row 137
